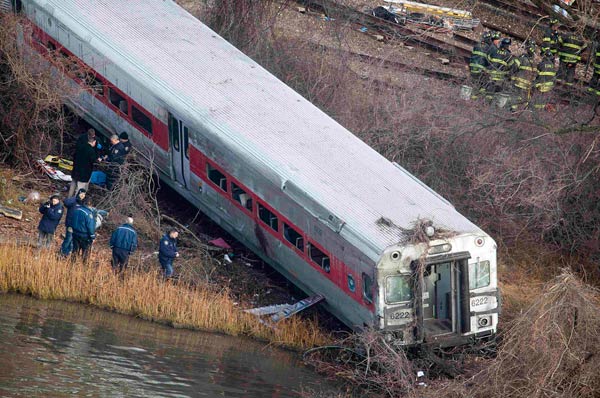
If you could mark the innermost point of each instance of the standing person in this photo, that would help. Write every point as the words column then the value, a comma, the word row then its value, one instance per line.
column 83, row 164
column 123, row 243
column 570, row 47
column 594, row 87
column 544, row 82
column 523, row 72
column 550, row 37
column 71, row 204
column 127, row 145
column 478, row 65
column 115, row 158
column 499, row 58
column 84, row 231
column 168, row 252
column 52, row 212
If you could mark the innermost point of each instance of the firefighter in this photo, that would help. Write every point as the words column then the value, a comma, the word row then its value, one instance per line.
column 594, row 87
column 544, row 82
column 478, row 64
column 523, row 71
column 499, row 58
column 570, row 47
column 550, row 38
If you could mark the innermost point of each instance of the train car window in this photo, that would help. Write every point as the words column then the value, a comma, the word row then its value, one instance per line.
column 217, row 177
column 241, row 196
column 293, row 236
column 186, row 142
column 319, row 258
column 141, row 119
column 398, row 289
column 479, row 274
column 351, row 283
column 174, row 129
column 367, row 284
column 95, row 84
column 117, row 100
column 268, row 217
column 17, row 6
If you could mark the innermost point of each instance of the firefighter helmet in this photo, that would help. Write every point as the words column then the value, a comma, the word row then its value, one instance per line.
column 530, row 46
column 505, row 43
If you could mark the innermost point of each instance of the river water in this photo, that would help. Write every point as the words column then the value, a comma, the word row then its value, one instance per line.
column 57, row 349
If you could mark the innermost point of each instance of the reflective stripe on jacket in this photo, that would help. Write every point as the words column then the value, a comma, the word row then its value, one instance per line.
column 478, row 62
column 570, row 47
column 523, row 72
column 546, row 75
column 498, row 63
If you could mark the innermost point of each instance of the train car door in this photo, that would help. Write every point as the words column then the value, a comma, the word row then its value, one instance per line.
column 180, row 150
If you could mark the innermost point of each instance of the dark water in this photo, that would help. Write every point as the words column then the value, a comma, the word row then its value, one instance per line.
column 56, row 349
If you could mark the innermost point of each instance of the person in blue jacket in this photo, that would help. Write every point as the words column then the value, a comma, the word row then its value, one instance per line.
column 84, row 231
column 71, row 204
column 168, row 252
column 123, row 243
column 52, row 212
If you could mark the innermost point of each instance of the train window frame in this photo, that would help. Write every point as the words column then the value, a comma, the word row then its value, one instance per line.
column 325, row 259
column 142, row 120
column 475, row 271
column 212, row 173
column 93, row 82
column 408, row 283
column 367, row 288
column 261, row 208
column 186, row 142
column 121, row 98
column 248, row 206
column 297, row 241
column 351, row 282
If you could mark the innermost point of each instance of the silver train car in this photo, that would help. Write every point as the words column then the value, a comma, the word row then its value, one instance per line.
column 315, row 202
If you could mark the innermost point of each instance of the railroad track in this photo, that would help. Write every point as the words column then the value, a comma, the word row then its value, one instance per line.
column 522, row 9
column 454, row 49
column 400, row 65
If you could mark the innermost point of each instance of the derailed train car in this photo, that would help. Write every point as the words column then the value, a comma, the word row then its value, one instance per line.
column 314, row 201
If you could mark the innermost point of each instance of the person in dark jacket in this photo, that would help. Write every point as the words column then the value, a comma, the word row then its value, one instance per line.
column 52, row 212
column 499, row 59
column 550, row 37
column 523, row 71
column 84, row 231
column 123, row 243
column 124, row 138
column 71, row 204
column 594, row 85
column 478, row 64
column 544, row 82
column 570, row 47
column 115, row 158
column 83, row 165
column 167, row 252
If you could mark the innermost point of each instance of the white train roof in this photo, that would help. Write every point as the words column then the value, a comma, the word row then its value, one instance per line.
column 172, row 53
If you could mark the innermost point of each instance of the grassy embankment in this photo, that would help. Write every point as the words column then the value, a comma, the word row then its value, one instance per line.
column 142, row 294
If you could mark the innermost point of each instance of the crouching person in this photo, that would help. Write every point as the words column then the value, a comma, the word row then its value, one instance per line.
column 168, row 252
column 52, row 212
column 123, row 243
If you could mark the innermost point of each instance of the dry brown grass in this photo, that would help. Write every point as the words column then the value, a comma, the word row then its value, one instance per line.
column 551, row 350
column 144, row 295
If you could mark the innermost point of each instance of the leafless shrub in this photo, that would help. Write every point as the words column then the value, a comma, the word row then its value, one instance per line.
column 551, row 350
column 133, row 195
column 31, row 96
column 368, row 362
